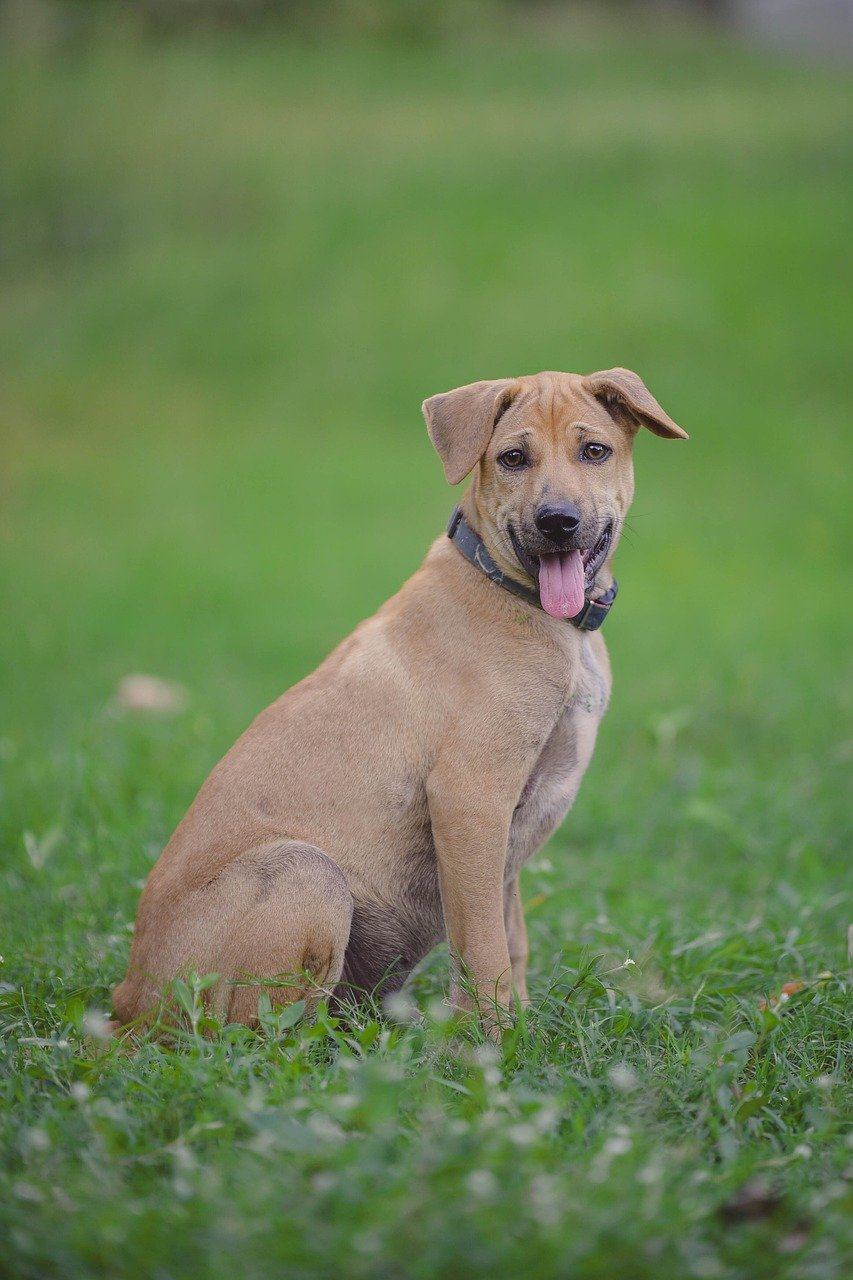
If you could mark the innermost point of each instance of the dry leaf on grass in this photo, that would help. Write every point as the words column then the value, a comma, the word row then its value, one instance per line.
column 39, row 848
column 791, row 989
column 150, row 693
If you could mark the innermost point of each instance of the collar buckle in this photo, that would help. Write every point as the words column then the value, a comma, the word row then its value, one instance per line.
column 594, row 612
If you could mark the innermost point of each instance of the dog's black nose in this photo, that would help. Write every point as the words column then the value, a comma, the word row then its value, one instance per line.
column 558, row 523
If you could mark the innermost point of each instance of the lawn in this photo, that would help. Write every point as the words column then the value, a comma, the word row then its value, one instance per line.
column 233, row 266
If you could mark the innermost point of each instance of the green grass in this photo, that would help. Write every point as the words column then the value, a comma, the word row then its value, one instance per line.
column 233, row 267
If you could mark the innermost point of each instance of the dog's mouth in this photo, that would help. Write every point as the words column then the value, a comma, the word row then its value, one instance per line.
column 594, row 558
column 564, row 577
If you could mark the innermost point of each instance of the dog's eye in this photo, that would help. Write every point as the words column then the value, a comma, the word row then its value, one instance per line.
column 595, row 452
column 512, row 459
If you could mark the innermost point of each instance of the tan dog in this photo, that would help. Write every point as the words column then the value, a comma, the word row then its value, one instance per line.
column 389, row 800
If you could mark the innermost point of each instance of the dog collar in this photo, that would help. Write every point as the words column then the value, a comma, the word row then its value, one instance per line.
column 473, row 548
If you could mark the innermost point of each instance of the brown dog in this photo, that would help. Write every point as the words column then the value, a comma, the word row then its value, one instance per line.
column 389, row 800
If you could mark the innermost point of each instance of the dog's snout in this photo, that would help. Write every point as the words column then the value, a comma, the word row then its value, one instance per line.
column 558, row 523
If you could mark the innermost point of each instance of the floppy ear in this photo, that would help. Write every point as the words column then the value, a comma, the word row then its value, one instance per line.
column 625, row 394
column 461, row 422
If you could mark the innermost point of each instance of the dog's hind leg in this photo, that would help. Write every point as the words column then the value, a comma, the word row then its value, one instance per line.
column 280, row 911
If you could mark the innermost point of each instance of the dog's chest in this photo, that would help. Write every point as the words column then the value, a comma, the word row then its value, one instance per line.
column 555, row 779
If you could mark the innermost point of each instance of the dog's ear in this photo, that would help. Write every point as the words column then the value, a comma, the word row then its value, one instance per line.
column 461, row 422
column 628, row 399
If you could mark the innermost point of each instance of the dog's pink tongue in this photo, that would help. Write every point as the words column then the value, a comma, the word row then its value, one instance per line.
column 561, row 584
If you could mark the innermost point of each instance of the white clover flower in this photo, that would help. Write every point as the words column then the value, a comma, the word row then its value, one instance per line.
column 324, row 1181
column 706, row 1266
column 324, row 1127
column 26, row 1191
column 546, row 1118
column 38, row 1139
column 522, row 1135
column 400, row 1007
column 440, row 1011
column 367, row 1242
column 183, row 1157
column 482, row 1183
column 622, row 1077
column 545, row 1199
column 486, row 1055
column 96, row 1024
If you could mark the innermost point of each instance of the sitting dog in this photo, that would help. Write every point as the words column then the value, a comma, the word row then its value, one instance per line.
column 388, row 801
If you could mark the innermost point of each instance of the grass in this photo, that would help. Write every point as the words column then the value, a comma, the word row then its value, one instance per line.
column 233, row 267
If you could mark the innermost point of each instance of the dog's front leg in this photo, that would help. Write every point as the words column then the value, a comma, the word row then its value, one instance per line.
column 516, row 935
column 470, row 828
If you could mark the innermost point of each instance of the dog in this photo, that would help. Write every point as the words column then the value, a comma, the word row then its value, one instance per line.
column 389, row 800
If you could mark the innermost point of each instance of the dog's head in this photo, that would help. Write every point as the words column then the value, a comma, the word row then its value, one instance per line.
column 554, row 475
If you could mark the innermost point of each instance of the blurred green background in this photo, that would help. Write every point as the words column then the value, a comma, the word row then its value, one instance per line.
column 236, row 263
column 237, row 255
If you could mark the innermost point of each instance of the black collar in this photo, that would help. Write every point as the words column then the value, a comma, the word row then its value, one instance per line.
column 473, row 548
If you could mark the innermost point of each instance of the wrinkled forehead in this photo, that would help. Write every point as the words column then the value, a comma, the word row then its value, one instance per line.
column 548, row 403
